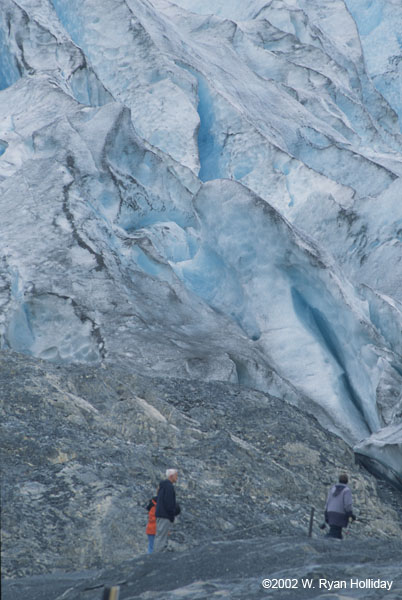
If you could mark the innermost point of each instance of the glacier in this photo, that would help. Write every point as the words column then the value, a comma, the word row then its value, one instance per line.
column 211, row 190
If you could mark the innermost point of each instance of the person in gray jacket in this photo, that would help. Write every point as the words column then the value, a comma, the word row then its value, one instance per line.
column 339, row 507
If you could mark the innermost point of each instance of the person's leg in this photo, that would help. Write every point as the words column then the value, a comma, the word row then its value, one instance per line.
column 151, row 540
column 162, row 532
column 335, row 532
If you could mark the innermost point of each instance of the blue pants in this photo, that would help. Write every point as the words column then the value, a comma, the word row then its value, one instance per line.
column 151, row 540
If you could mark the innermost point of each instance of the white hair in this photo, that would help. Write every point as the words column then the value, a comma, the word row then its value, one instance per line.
column 170, row 472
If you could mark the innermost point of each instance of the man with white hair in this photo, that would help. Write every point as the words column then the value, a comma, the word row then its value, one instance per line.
column 166, row 509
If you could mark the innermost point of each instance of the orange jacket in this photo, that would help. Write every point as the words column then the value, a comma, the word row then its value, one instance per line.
column 151, row 526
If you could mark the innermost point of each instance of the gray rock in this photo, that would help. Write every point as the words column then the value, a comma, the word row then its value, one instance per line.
column 236, row 569
column 83, row 449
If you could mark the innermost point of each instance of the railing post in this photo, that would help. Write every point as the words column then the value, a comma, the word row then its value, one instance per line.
column 111, row 593
column 310, row 527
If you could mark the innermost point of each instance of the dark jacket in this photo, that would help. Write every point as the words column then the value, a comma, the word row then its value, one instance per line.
column 166, row 505
column 339, row 506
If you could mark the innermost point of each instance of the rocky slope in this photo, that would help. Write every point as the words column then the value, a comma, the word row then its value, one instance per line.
column 235, row 570
column 84, row 448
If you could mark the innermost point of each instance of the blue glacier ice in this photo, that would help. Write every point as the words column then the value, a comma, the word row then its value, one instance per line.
column 9, row 72
column 379, row 25
column 210, row 190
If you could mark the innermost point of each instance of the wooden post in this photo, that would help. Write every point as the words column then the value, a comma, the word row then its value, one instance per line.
column 111, row 593
column 310, row 527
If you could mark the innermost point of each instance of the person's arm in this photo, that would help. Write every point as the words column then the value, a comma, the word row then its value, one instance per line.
column 347, row 501
column 348, row 504
column 170, row 502
column 326, row 506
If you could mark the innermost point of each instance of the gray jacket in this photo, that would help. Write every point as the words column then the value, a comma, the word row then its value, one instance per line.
column 339, row 505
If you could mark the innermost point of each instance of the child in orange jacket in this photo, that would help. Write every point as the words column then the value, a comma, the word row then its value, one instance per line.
column 151, row 526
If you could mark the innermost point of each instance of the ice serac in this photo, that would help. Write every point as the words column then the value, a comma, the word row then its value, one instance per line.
column 136, row 72
column 290, row 300
column 287, row 107
column 210, row 190
column 381, row 453
column 379, row 24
